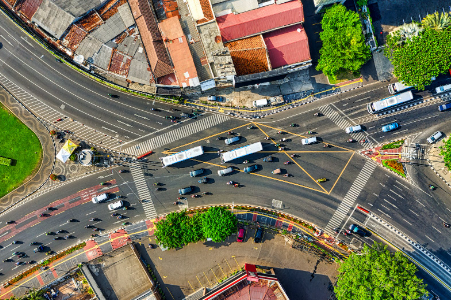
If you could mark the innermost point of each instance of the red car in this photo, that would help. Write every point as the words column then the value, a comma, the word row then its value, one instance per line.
column 241, row 234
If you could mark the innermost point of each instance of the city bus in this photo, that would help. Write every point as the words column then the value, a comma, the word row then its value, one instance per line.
column 240, row 152
column 181, row 156
column 389, row 102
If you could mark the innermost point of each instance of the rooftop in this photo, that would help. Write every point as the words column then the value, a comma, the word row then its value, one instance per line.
column 249, row 55
column 90, row 22
column 114, row 26
column 207, row 10
column 260, row 20
column 88, row 47
column 153, row 43
column 112, row 9
column 139, row 72
column 103, row 57
column 176, row 42
column 52, row 18
column 27, row 7
column 74, row 37
column 287, row 46
column 78, row 8
column 235, row 6
column 120, row 63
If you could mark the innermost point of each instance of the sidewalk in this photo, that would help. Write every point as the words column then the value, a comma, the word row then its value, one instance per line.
column 438, row 164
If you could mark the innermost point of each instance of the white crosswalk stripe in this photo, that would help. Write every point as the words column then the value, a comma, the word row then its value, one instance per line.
column 50, row 115
column 342, row 123
column 348, row 201
column 143, row 191
column 176, row 134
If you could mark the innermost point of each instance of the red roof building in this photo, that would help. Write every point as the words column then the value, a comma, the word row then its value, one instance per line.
column 151, row 37
column 260, row 20
column 176, row 42
column 287, row 46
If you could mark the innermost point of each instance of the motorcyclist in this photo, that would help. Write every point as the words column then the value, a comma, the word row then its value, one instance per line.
column 236, row 185
column 93, row 219
column 431, row 187
column 59, row 231
column 114, row 214
column 267, row 137
column 293, row 155
column 309, row 132
column 245, row 162
column 292, row 125
column 14, row 242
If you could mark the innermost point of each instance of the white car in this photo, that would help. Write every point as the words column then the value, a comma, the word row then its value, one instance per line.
column 309, row 141
column 115, row 205
column 353, row 129
column 435, row 137
column 99, row 198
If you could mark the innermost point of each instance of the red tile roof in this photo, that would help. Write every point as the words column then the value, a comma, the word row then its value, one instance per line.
column 28, row 7
column 206, row 9
column 287, row 46
column 260, row 20
column 179, row 50
column 150, row 34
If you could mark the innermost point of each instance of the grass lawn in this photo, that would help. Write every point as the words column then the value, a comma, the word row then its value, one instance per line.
column 343, row 76
column 20, row 144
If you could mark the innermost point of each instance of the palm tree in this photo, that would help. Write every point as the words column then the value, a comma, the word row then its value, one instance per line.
column 35, row 295
column 437, row 21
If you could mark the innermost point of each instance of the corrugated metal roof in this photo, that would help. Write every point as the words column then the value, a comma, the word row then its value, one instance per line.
column 110, row 29
column 139, row 72
column 27, row 7
column 52, row 18
column 74, row 37
column 103, row 57
column 260, row 20
column 126, row 15
column 88, row 47
column 287, row 46
column 78, row 8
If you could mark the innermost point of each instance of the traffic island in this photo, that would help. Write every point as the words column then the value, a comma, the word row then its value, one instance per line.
column 388, row 156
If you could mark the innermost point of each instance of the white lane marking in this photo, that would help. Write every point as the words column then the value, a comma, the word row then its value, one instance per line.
column 414, row 213
column 385, row 207
column 391, row 197
column 430, row 238
column 436, row 229
column 5, row 233
column 390, row 203
column 384, row 213
column 4, row 39
column 141, row 117
column 90, row 213
column 407, row 222
column 109, row 129
column 420, row 203
column 124, row 123
column 401, row 184
column 25, row 40
column 398, row 132
column 396, row 193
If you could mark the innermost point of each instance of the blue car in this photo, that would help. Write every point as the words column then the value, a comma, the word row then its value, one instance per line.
column 250, row 169
column 354, row 228
column 390, row 127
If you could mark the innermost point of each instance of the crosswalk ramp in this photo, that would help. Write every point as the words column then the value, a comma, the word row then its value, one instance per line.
column 143, row 191
column 342, row 123
column 348, row 201
column 176, row 134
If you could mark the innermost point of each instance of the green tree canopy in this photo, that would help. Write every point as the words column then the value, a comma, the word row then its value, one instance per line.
column 420, row 58
column 178, row 229
column 344, row 47
column 218, row 223
column 445, row 151
column 378, row 274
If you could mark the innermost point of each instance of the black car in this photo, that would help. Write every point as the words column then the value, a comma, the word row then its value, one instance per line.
column 258, row 235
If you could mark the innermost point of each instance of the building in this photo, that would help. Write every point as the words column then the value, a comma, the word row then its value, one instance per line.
column 248, row 284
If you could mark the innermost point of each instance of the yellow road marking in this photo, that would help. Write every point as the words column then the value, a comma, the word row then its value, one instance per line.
column 236, row 261
column 170, row 293
column 339, row 176
column 199, row 281
column 191, row 286
column 229, row 265
column 207, row 278
column 221, row 270
column 214, row 274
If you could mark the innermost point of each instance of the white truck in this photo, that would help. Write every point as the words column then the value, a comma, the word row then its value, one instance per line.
column 397, row 87
column 260, row 103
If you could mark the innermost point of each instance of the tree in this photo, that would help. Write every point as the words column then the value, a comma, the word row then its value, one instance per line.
column 437, row 21
column 445, row 151
column 73, row 157
column 35, row 295
column 218, row 223
column 52, row 132
column 378, row 274
column 53, row 177
column 178, row 229
column 418, row 60
column 344, row 47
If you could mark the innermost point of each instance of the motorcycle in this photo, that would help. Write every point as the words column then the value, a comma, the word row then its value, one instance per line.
column 326, row 146
column 282, row 140
column 277, row 145
column 293, row 155
column 447, row 225
column 230, row 182
column 194, row 196
column 431, row 187
column 292, row 125
column 267, row 138
column 350, row 141
column 279, row 132
column 309, row 132
column 245, row 162
column 287, row 175
column 317, row 114
column 287, row 163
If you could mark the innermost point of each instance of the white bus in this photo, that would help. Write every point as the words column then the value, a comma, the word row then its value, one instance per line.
column 181, row 156
column 397, row 87
column 443, row 88
column 390, row 102
column 240, row 152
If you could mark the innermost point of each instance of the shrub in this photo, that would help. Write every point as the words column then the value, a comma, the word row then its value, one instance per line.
column 393, row 145
column 53, row 177
column 73, row 157
column 395, row 166
column 52, row 132
column 5, row 161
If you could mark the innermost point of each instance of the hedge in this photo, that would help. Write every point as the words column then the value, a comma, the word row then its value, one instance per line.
column 395, row 166
column 393, row 145
column 5, row 161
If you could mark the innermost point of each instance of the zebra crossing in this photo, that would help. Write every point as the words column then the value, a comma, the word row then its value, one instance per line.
column 50, row 115
column 341, row 122
column 143, row 191
column 348, row 201
column 176, row 134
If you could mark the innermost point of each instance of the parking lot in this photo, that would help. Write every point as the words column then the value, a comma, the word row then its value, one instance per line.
column 302, row 274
